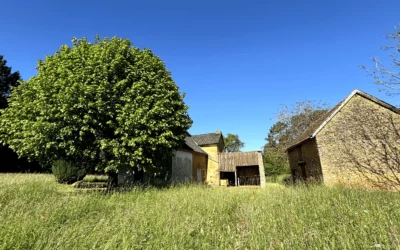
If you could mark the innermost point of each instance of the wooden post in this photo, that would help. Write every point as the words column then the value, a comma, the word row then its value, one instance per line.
column 236, row 179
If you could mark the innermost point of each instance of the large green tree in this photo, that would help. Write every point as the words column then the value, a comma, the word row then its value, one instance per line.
column 8, row 79
column 292, row 121
column 233, row 143
column 106, row 104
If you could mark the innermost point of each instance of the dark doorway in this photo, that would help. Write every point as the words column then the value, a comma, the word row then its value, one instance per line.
column 295, row 175
column 230, row 176
column 302, row 165
column 248, row 176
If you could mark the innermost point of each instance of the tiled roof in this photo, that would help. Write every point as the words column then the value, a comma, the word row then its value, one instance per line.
column 315, row 127
column 207, row 139
column 193, row 145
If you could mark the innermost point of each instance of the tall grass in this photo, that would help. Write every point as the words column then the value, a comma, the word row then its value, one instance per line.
column 277, row 178
column 38, row 213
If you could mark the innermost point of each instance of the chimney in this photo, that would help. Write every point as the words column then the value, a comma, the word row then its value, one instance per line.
column 218, row 132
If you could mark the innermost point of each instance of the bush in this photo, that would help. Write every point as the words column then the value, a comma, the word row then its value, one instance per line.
column 281, row 179
column 65, row 172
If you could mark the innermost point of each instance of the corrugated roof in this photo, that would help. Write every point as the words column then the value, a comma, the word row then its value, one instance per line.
column 207, row 139
column 193, row 145
column 315, row 127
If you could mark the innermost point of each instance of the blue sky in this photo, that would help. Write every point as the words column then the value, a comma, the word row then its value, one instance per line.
column 237, row 61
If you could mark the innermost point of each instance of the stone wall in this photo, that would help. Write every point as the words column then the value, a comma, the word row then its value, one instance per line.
column 356, row 138
column 307, row 154
column 213, row 171
column 199, row 164
column 261, row 170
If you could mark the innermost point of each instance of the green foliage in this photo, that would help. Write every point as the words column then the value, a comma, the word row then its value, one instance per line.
column 233, row 143
column 276, row 162
column 7, row 80
column 38, row 213
column 65, row 172
column 105, row 104
column 275, row 158
column 280, row 179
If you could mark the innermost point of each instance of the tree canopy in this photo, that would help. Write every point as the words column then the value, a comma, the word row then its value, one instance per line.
column 233, row 143
column 7, row 80
column 106, row 104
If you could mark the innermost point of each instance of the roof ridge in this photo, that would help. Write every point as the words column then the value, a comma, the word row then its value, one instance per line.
column 212, row 133
column 332, row 112
column 344, row 102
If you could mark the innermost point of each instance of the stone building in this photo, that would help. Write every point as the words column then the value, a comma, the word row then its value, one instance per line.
column 202, row 159
column 350, row 144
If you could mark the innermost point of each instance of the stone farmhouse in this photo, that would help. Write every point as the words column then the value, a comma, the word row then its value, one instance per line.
column 202, row 159
column 357, row 137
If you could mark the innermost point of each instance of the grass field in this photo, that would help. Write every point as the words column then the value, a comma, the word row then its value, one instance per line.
column 38, row 213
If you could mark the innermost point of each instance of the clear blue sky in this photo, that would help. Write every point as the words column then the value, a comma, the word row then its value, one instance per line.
column 238, row 61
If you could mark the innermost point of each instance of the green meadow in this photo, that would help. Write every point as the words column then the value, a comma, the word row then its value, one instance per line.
column 38, row 213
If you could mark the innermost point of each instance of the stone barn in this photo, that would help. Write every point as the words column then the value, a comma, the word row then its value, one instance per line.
column 358, row 137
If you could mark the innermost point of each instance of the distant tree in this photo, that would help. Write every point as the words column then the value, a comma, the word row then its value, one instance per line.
column 275, row 158
column 7, row 80
column 291, row 123
column 233, row 143
column 388, row 75
column 105, row 104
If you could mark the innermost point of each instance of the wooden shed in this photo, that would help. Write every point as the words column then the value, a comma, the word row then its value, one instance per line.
column 242, row 168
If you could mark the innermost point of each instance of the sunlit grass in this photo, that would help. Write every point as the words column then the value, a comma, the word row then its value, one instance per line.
column 38, row 213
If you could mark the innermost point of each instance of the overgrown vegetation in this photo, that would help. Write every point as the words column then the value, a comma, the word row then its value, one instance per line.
column 38, row 213
column 280, row 179
column 65, row 172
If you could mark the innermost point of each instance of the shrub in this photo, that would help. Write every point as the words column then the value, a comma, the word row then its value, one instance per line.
column 65, row 172
column 281, row 179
